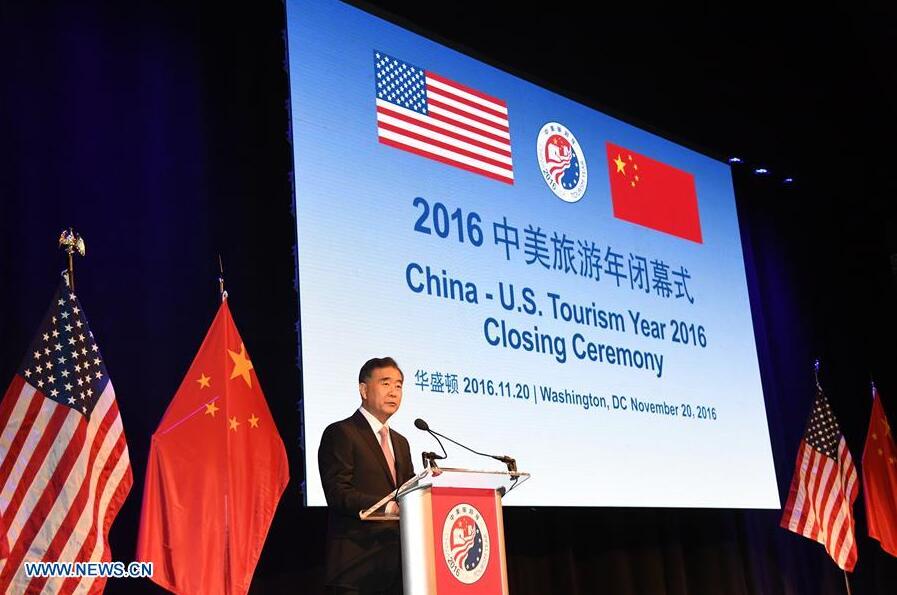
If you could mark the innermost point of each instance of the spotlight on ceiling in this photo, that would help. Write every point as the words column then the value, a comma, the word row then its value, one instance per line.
column 735, row 160
column 761, row 171
column 788, row 181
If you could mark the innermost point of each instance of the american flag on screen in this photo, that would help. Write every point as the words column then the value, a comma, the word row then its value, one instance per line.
column 438, row 118
column 64, row 466
column 824, row 487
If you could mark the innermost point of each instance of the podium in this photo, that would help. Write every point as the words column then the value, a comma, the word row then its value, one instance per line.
column 452, row 530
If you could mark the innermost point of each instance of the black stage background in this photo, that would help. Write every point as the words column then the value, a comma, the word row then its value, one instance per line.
column 159, row 130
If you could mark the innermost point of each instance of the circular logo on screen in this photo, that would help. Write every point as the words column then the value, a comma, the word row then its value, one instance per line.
column 562, row 162
column 465, row 543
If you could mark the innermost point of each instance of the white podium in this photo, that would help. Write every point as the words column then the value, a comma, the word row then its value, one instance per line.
column 452, row 530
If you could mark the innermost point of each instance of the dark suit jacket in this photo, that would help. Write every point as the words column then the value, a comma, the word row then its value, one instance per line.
column 355, row 476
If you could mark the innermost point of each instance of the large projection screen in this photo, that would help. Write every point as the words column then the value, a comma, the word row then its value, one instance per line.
column 557, row 285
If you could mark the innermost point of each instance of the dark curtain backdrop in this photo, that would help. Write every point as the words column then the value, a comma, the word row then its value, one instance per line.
column 160, row 131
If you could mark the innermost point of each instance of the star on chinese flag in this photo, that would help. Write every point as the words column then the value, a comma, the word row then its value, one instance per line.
column 216, row 470
column 653, row 194
column 880, row 478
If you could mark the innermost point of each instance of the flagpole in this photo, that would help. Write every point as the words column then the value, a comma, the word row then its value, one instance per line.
column 227, row 550
column 816, row 373
column 71, row 242
column 846, row 582
column 221, row 289
column 223, row 293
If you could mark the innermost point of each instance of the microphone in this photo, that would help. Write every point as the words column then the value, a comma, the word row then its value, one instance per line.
column 509, row 461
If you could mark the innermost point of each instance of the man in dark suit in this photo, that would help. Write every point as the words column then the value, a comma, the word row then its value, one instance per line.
column 360, row 460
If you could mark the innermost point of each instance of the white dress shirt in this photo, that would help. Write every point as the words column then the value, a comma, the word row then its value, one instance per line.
column 392, row 507
column 375, row 426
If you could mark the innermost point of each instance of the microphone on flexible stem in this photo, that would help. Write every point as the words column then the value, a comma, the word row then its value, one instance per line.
column 429, row 458
column 509, row 461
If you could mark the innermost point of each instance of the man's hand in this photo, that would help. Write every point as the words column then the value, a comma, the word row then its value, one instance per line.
column 392, row 507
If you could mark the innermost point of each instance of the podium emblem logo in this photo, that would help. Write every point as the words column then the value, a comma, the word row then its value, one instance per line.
column 562, row 162
column 465, row 543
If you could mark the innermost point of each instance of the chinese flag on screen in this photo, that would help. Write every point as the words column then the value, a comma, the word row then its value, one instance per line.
column 216, row 471
column 653, row 194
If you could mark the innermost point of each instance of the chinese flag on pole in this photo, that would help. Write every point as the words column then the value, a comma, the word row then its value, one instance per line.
column 216, row 470
column 653, row 194
column 880, row 478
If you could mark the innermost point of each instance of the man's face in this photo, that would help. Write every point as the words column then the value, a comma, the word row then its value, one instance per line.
column 381, row 394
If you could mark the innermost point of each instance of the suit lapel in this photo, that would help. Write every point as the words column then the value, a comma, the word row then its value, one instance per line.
column 367, row 436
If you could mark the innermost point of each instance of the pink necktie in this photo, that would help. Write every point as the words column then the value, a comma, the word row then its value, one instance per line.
column 390, row 460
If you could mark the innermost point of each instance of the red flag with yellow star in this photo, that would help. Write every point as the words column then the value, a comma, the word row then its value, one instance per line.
column 880, row 478
column 653, row 194
column 216, row 470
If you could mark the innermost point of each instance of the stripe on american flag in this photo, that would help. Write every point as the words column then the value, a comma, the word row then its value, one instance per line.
column 64, row 465
column 824, row 487
column 432, row 116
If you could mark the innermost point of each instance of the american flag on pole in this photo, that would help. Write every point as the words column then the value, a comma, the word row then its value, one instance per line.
column 64, row 466
column 824, row 487
column 438, row 118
